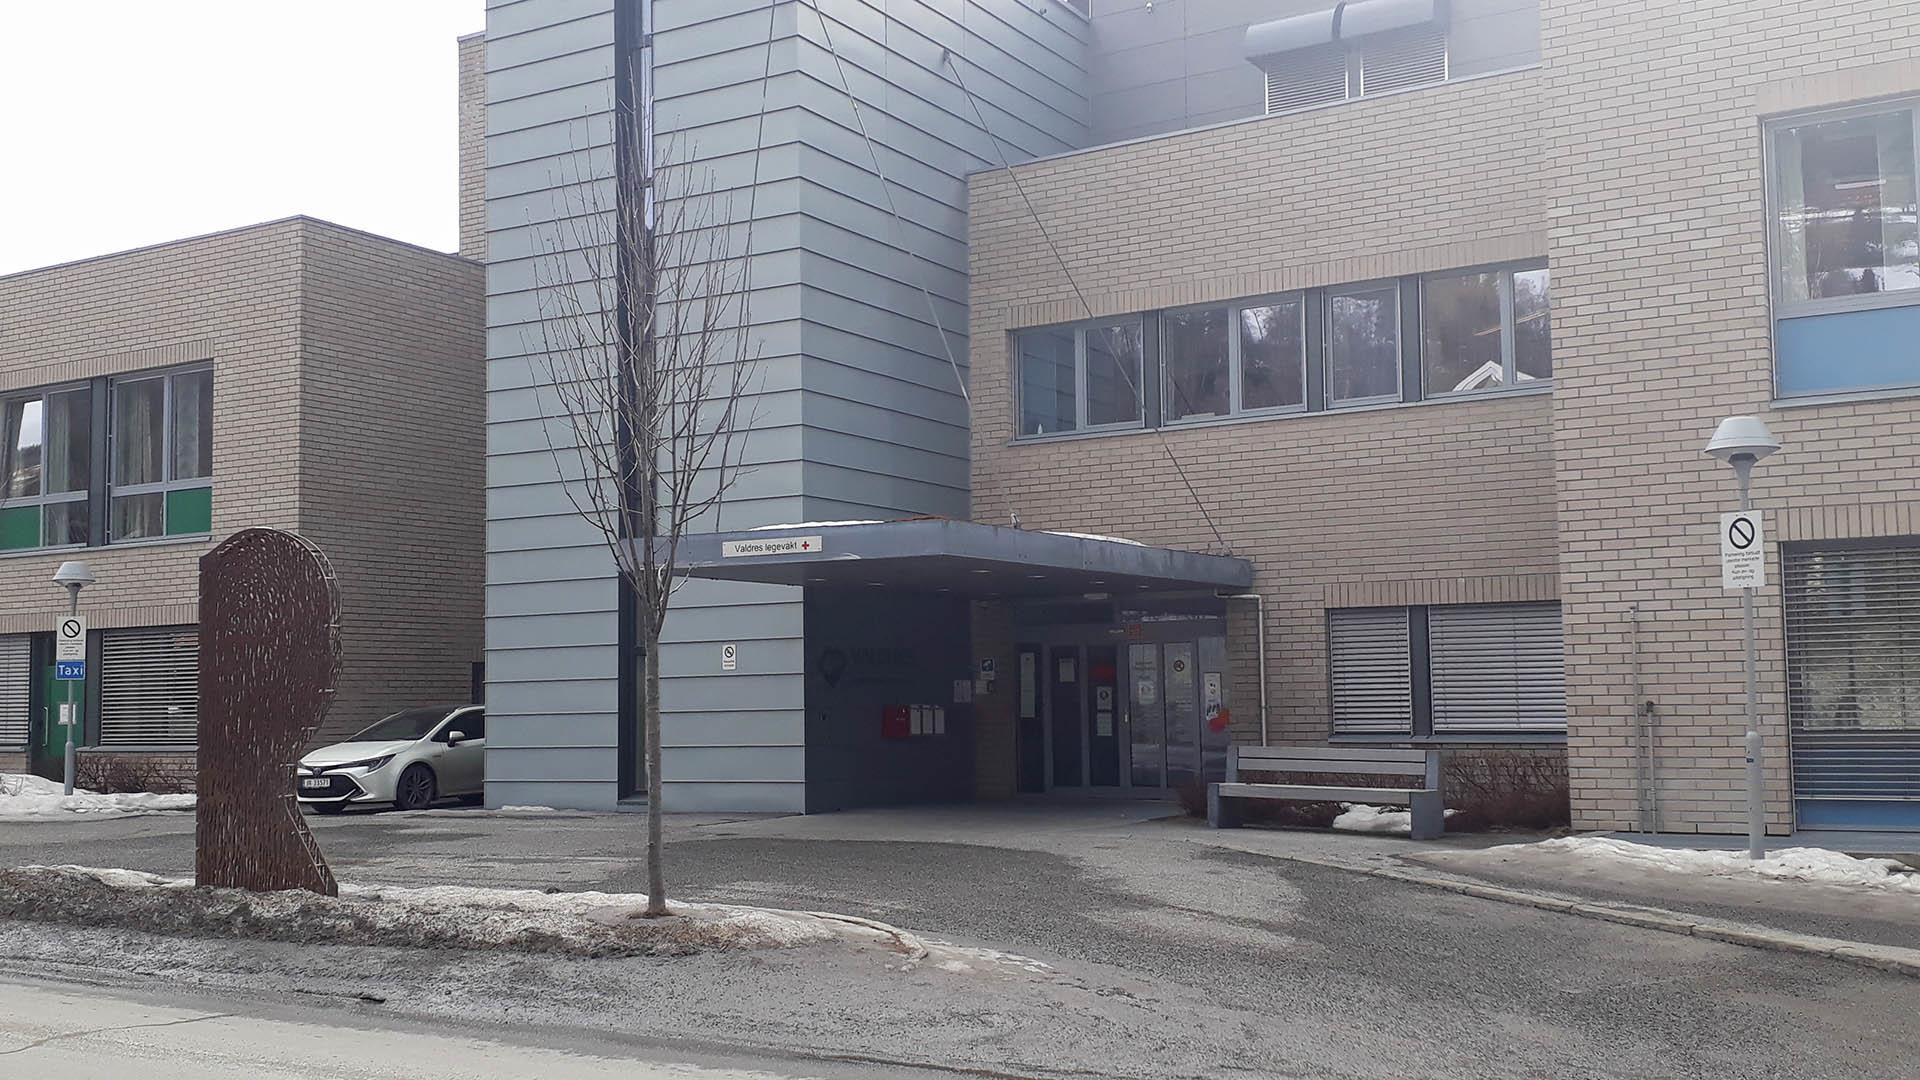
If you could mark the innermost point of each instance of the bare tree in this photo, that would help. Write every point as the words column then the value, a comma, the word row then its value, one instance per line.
column 646, row 353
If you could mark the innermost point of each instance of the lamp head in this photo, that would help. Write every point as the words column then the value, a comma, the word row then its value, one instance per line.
column 1742, row 436
column 73, row 575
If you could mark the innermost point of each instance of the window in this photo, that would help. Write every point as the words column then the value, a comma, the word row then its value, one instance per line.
column 150, row 687
column 1484, row 330
column 1845, row 248
column 1466, row 670
column 1194, row 356
column 1853, row 637
column 46, row 457
column 1272, row 361
column 1363, row 344
column 162, row 455
column 1077, row 378
column 16, row 689
column 1224, row 361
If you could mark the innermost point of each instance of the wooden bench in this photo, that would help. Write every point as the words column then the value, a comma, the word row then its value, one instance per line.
column 1429, row 813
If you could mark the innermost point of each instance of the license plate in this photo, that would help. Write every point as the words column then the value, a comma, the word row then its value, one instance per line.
column 315, row 782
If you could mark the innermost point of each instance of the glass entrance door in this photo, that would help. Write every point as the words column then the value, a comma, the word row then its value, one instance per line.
column 1177, row 711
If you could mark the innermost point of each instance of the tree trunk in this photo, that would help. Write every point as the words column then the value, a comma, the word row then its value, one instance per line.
column 656, row 875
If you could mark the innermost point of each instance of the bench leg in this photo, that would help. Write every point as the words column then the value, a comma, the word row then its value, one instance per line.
column 1221, row 813
column 1429, row 815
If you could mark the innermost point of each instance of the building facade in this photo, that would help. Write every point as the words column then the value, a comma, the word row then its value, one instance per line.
column 1420, row 311
column 155, row 401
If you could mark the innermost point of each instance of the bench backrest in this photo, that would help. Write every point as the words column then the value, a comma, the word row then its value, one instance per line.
column 1334, row 759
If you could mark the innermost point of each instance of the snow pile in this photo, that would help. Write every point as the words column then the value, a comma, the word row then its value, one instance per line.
column 810, row 525
column 1094, row 536
column 31, row 798
column 1359, row 817
column 455, row 917
column 1820, row 865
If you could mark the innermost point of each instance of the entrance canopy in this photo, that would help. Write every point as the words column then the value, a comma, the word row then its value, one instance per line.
column 959, row 557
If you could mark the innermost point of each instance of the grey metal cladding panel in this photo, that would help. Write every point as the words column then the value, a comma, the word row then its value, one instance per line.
column 548, row 173
column 555, row 794
column 685, row 31
column 551, row 663
column 1140, row 110
column 1028, row 68
column 532, row 534
column 506, row 632
column 547, row 41
column 553, row 597
column 859, row 314
column 922, row 384
column 878, row 422
column 1492, row 35
column 707, row 593
column 1234, row 92
column 763, row 692
column 888, row 495
column 579, row 763
column 753, row 764
column 940, row 211
column 515, row 16
column 585, row 703
column 689, row 797
column 759, row 655
column 1201, row 16
column 901, row 297
column 761, row 622
column 534, row 144
column 551, row 107
column 783, row 727
column 1151, row 64
column 540, row 76
column 859, row 451
column 548, row 730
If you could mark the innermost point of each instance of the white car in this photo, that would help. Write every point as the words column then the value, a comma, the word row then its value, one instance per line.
column 408, row 759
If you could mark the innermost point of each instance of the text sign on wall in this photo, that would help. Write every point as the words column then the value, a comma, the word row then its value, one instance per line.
column 1743, row 551
column 777, row 545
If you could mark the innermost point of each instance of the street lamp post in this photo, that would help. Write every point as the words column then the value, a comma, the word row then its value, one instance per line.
column 72, row 576
column 1740, row 441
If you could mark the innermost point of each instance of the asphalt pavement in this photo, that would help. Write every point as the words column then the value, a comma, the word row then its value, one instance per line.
column 1174, row 951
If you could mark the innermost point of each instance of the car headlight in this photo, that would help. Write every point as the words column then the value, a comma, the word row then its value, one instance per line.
column 370, row 764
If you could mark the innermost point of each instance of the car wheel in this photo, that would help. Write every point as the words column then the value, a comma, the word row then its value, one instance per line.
column 415, row 789
column 329, row 808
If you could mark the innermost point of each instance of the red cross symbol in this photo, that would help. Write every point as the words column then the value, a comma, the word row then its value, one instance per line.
column 805, row 546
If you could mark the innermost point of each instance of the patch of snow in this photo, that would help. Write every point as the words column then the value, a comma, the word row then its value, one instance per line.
column 1359, row 817
column 1821, row 865
column 32, row 798
column 1094, row 536
column 811, row 525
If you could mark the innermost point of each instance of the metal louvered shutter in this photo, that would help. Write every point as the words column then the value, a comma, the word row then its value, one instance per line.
column 150, row 687
column 1306, row 78
column 1371, row 675
column 16, row 689
column 1496, row 668
column 1403, row 59
column 1853, row 672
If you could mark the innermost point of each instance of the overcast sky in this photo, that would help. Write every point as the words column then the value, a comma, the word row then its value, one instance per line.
column 130, row 122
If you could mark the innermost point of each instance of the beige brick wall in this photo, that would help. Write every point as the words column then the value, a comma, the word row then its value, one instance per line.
column 1661, row 328
column 473, row 146
column 346, row 387
column 1444, row 502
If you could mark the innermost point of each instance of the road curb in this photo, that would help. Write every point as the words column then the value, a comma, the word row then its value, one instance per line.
column 1891, row 958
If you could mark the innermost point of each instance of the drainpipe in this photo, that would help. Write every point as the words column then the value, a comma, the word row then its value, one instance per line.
column 1260, row 644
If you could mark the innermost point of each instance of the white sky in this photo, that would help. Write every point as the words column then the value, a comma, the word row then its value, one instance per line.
column 130, row 122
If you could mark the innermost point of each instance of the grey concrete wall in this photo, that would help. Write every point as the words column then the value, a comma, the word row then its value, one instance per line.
column 1178, row 64
column 863, row 654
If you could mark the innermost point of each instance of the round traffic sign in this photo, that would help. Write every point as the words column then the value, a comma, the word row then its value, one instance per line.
column 1740, row 533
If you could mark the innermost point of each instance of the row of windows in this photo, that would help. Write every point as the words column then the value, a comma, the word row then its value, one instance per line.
column 109, row 461
column 1465, row 670
column 144, row 690
column 1438, row 335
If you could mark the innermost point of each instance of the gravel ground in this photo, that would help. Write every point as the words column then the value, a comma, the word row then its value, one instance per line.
column 1172, row 956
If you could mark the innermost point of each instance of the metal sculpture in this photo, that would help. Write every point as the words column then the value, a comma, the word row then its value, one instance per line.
column 269, row 652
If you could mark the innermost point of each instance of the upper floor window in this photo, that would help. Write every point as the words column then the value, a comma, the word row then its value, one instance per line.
column 1407, row 339
column 1845, row 249
column 1233, row 359
column 45, row 467
column 1484, row 330
column 1081, row 378
column 162, row 482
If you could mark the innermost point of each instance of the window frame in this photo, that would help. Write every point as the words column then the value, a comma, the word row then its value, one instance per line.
column 1770, row 129
column 1420, row 727
column 1147, row 370
column 1509, row 329
column 115, row 489
column 44, row 499
column 1334, row 292
column 1236, row 373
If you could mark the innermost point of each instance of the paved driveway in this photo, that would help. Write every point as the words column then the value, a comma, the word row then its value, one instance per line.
column 1178, row 951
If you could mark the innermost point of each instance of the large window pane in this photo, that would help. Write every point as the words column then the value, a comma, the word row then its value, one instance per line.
column 1195, row 362
column 1113, row 373
column 139, row 516
column 1532, row 326
column 192, row 425
column 1046, row 381
column 21, row 436
column 69, row 441
column 1460, row 325
column 1363, row 344
column 1272, row 346
column 139, row 411
column 1845, row 222
column 65, row 523
column 19, row 527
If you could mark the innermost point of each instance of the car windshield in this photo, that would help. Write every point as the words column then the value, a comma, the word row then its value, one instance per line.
column 406, row 724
